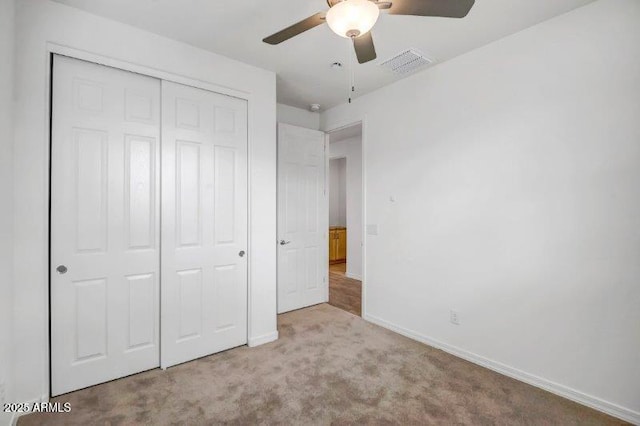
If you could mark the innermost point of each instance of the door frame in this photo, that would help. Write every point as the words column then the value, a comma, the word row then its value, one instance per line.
column 333, row 127
column 327, row 173
column 56, row 49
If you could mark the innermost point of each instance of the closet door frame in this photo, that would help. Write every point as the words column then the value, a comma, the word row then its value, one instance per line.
column 53, row 49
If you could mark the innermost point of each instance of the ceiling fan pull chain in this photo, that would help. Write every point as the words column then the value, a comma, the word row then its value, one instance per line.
column 351, row 86
column 353, row 76
column 350, row 62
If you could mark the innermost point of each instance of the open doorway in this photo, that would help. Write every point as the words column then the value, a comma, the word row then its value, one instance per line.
column 345, row 219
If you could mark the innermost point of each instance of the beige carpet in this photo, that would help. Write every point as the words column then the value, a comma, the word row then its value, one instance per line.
column 328, row 367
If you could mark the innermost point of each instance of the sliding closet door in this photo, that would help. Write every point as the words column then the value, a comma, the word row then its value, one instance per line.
column 104, row 224
column 204, row 223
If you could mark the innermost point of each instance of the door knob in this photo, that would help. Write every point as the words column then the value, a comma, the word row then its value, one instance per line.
column 61, row 269
column 241, row 254
column 283, row 242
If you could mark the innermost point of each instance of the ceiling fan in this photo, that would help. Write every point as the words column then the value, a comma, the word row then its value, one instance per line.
column 354, row 19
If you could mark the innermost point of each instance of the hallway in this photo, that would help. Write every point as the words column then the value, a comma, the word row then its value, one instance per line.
column 344, row 293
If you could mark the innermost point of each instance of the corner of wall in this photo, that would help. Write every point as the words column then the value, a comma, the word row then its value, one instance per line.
column 298, row 117
column 7, row 52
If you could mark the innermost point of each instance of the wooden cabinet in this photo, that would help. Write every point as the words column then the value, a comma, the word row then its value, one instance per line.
column 337, row 244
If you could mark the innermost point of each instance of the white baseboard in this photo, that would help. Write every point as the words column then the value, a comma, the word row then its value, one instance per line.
column 15, row 416
column 261, row 340
column 556, row 388
column 353, row 276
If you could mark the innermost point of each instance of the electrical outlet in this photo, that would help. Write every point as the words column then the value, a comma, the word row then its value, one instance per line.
column 454, row 317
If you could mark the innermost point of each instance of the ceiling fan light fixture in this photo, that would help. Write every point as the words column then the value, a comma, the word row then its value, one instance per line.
column 352, row 18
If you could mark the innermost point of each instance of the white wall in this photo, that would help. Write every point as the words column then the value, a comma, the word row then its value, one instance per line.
column 338, row 192
column 351, row 150
column 40, row 22
column 298, row 117
column 516, row 175
column 7, row 16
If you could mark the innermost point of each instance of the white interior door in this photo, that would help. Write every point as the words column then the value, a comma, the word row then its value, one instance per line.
column 104, row 224
column 302, row 218
column 204, row 223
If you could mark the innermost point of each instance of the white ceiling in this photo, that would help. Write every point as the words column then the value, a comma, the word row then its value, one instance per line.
column 235, row 28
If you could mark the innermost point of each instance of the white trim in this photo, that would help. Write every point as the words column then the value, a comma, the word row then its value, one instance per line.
column 261, row 340
column 353, row 276
column 144, row 70
column 327, row 141
column 539, row 382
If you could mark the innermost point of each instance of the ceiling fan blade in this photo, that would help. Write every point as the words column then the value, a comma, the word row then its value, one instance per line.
column 383, row 5
column 295, row 29
column 365, row 50
column 442, row 8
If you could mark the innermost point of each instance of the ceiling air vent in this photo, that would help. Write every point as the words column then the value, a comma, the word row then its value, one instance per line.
column 407, row 61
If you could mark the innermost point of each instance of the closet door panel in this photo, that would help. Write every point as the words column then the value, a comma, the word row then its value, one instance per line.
column 204, row 223
column 104, row 224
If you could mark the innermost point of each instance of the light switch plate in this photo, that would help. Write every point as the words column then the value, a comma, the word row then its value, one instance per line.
column 372, row 229
column 454, row 317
